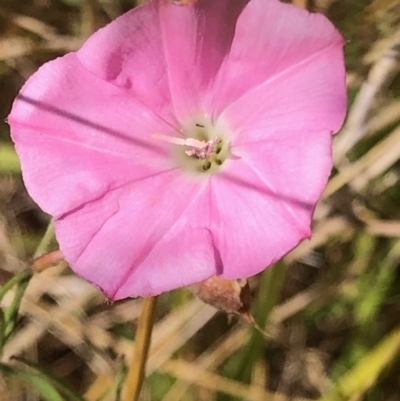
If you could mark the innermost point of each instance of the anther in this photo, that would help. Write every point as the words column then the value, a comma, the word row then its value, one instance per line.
column 206, row 166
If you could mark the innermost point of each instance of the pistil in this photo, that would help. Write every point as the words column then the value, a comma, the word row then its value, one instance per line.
column 203, row 150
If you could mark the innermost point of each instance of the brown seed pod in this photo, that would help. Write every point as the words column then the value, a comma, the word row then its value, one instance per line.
column 231, row 296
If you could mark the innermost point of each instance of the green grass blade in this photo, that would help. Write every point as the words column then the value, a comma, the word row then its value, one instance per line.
column 2, row 331
column 44, row 388
column 365, row 373
column 11, row 313
column 18, row 278
column 56, row 383
column 270, row 286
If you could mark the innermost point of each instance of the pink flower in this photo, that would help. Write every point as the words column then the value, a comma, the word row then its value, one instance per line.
column 184, row 141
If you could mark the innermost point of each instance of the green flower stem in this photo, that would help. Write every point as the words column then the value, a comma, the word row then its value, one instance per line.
column 136, row 372
column 46, row 240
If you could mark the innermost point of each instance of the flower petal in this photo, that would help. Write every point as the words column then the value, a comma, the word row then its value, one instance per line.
column 74, row 145
column 295, row 166
column 311, row 97
column 135, row 241
column 272, row 41
column 197, row 38
column 185, row 256
column 250, row 221
column 129, row 53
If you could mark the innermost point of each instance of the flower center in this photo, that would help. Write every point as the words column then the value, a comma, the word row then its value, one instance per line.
column 203, row 148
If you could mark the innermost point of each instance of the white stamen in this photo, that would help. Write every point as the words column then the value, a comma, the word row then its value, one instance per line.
column 194, row 143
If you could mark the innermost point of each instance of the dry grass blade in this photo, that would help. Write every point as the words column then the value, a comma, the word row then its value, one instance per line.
column 377, row 160
column 185, row 323
column 190, row 373
column 384, row 70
